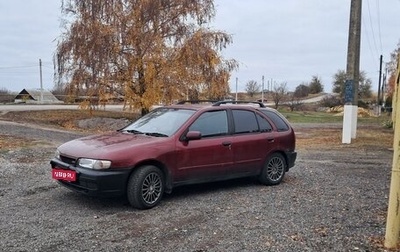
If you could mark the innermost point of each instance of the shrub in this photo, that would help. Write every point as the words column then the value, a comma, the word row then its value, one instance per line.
column 330, row 101
column 6, row 96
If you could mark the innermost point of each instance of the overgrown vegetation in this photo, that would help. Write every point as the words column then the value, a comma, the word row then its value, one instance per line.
column 330, row 101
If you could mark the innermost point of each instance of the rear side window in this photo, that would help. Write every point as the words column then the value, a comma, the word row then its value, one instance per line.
column 276, row 119
column 245, row 121
column 211, row 123
column 264, row 124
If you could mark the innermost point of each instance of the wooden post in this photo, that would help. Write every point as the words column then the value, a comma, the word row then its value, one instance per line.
column 394, row 99
column 393, row 215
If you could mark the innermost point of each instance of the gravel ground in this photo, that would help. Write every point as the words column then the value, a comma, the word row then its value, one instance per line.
column 330, row 201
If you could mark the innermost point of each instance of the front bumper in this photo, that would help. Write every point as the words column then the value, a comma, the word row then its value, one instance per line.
column 105, row 183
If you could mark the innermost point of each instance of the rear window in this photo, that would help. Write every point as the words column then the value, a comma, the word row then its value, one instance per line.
column 279, row 122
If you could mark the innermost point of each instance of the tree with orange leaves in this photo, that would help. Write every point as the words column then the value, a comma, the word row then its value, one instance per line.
column 149, row 51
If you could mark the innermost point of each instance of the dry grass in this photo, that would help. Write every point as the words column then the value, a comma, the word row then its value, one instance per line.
column 62, row 118
column 8, row 142
column 371, row 136
column 328, row 138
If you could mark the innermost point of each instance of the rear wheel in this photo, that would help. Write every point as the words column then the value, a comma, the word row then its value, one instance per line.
column 274, row 170
column 145, row 187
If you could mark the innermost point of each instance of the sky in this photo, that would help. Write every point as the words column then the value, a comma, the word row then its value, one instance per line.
column 285, row 41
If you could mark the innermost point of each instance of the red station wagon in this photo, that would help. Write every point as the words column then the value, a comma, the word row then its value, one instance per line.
column 177, row 145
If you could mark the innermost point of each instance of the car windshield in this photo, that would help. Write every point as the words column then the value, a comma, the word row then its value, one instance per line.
column 161, row 122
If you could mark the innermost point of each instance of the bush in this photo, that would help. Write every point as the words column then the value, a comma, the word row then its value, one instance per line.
column 6, row 96
column 330, row 101
column 388, row 124
column 363, row 104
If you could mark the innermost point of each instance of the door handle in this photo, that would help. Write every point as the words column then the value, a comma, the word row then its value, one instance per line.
column 226, row 143
column 271, row 140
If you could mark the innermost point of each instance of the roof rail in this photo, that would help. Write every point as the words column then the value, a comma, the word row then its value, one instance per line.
column 196, row 101
column 262, row 105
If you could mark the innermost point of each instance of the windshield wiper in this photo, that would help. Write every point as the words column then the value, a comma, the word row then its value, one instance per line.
column 134, row 131
column 155, row 134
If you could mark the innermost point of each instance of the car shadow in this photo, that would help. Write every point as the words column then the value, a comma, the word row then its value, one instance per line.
column 240, row 185
column 212, row 187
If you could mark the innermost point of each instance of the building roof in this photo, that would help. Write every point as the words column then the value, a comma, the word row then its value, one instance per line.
column 35, row 95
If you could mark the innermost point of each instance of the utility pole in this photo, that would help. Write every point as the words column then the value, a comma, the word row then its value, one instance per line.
column 352, row 73
column 383, row 92
column 379, row 86
column 236, row 88
column 41, row 81
column 262, row 90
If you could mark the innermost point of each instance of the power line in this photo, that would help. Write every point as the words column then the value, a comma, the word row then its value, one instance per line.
column 379, row 23
column 372, row 28
column 13, row 67
column 373, row 56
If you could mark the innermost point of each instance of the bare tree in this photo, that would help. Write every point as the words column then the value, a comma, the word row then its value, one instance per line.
column 252, row 88
column 294, row 102
column 279, row 93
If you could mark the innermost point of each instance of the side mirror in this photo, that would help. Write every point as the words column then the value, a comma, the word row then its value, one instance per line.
column 193, row 135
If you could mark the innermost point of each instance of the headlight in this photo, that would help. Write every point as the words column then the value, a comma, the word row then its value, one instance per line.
column 57, row 155
column 94, row 164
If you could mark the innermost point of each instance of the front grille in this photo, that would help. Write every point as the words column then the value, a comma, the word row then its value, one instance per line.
column 68, row 160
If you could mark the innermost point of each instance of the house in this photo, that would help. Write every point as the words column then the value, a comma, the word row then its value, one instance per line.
column 35, row 96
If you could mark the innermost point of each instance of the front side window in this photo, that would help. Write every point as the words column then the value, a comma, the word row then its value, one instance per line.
column 211, row 123
column 245, row 121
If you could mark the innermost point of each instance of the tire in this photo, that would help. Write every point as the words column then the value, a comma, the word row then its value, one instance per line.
column 274, row 170
column 145, row 187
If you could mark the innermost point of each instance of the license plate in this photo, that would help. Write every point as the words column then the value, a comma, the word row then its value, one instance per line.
column 67, row 175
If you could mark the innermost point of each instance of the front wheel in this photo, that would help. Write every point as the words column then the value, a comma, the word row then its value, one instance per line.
column 273, row 170
column 145, row 187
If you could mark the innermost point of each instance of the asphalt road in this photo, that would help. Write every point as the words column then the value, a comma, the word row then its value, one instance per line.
column 31, row 107
column 113, row 107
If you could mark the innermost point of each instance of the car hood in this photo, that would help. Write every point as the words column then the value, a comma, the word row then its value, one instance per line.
column 110, row 146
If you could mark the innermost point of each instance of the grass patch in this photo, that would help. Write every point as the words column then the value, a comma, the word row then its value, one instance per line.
column 323, row 117
column 311, row 117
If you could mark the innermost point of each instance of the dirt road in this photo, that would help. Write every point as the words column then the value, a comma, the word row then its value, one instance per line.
column 332, row 200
